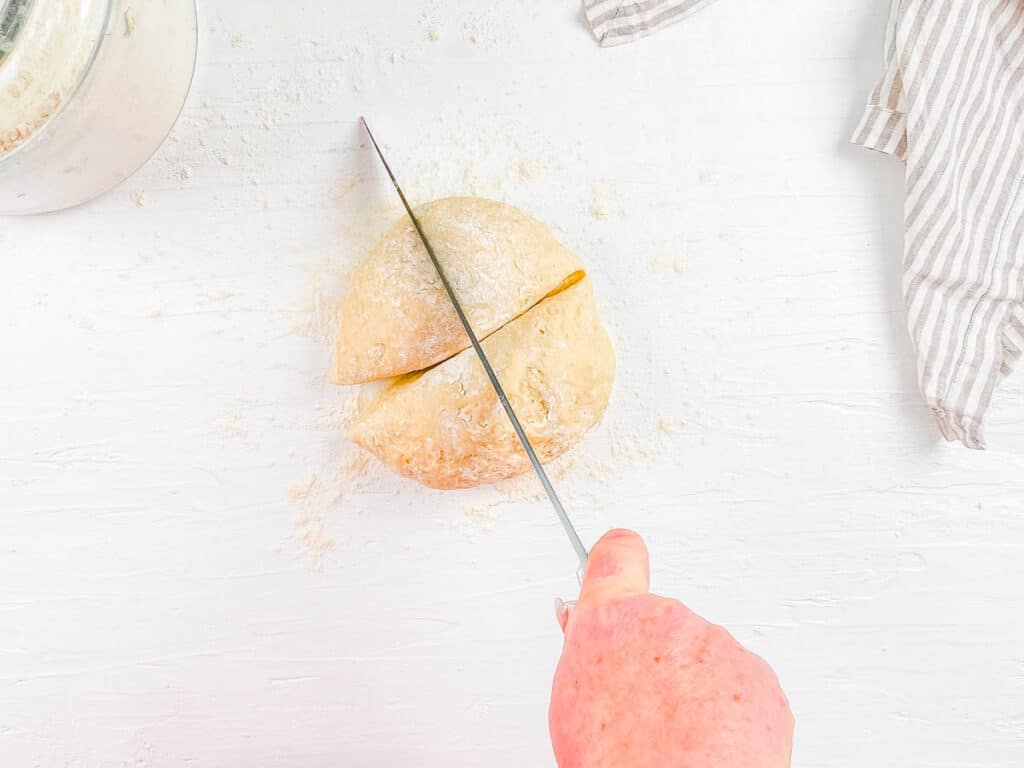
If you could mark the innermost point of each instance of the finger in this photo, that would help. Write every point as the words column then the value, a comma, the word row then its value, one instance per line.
column 618, row 566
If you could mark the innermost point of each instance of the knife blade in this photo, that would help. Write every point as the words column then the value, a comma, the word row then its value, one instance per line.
column 545, row 481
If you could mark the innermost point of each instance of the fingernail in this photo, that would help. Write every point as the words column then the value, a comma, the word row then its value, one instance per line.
column 620, row 533
column 561, row 613
column 563, row 610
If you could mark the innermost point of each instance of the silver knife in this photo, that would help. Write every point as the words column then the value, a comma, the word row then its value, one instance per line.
column 574, row 539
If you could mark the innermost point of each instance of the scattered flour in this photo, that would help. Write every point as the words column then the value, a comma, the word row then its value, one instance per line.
column 320, row 494
column 302, row 491
column 313, row 498
column 521, row 488
column 218, row 297
column 354, row 465
column 340, row 188
column 481, row 516
column 669, row 425
column 600, row 470
column 483, row 27
column 231, row 426
column 531, row 169
column 129, row 21
column 430, row 22
column 320, row 321
column 657, row 263
column 310, row 529
column 632, row 448
column 606, row 201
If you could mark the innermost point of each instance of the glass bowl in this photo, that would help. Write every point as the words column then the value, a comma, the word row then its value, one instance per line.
column 89, row 89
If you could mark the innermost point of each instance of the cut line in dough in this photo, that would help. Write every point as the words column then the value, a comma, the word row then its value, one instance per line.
column 397, row 317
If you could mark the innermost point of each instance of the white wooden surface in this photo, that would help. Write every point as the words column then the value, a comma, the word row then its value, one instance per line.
column 175, row 592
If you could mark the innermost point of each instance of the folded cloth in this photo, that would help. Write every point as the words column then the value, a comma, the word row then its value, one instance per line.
column 949, row 105
column 614, row 22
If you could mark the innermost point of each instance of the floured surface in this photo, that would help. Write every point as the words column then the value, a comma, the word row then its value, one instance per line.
column 165, row 598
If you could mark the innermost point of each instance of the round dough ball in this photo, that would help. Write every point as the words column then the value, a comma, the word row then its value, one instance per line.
column 445, row 426
column 397, row 317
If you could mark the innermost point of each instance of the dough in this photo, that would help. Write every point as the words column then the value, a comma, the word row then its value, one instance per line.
column 438, row 419
column 445, row 426
column 397, row 317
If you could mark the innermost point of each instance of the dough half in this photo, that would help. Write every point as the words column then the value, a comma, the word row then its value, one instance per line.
column 397, row 317
column 445, row 426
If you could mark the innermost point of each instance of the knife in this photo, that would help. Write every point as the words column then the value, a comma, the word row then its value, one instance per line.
column 549, row 489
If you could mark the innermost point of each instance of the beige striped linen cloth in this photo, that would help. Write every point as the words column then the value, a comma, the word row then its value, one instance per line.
column 951, row 105
column 614, row 22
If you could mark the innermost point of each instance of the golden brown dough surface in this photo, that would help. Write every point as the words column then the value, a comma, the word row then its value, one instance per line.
column 445, row 427
column 397, row 318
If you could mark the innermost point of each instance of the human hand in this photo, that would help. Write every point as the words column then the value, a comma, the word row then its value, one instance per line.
column 643, row 682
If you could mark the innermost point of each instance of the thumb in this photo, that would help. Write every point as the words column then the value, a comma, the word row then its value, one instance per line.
column 618, row 566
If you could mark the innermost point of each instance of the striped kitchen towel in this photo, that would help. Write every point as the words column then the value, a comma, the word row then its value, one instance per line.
column 615, row 22
column 950, row 104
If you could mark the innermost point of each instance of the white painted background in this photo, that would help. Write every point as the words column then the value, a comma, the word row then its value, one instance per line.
column 163, row 406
